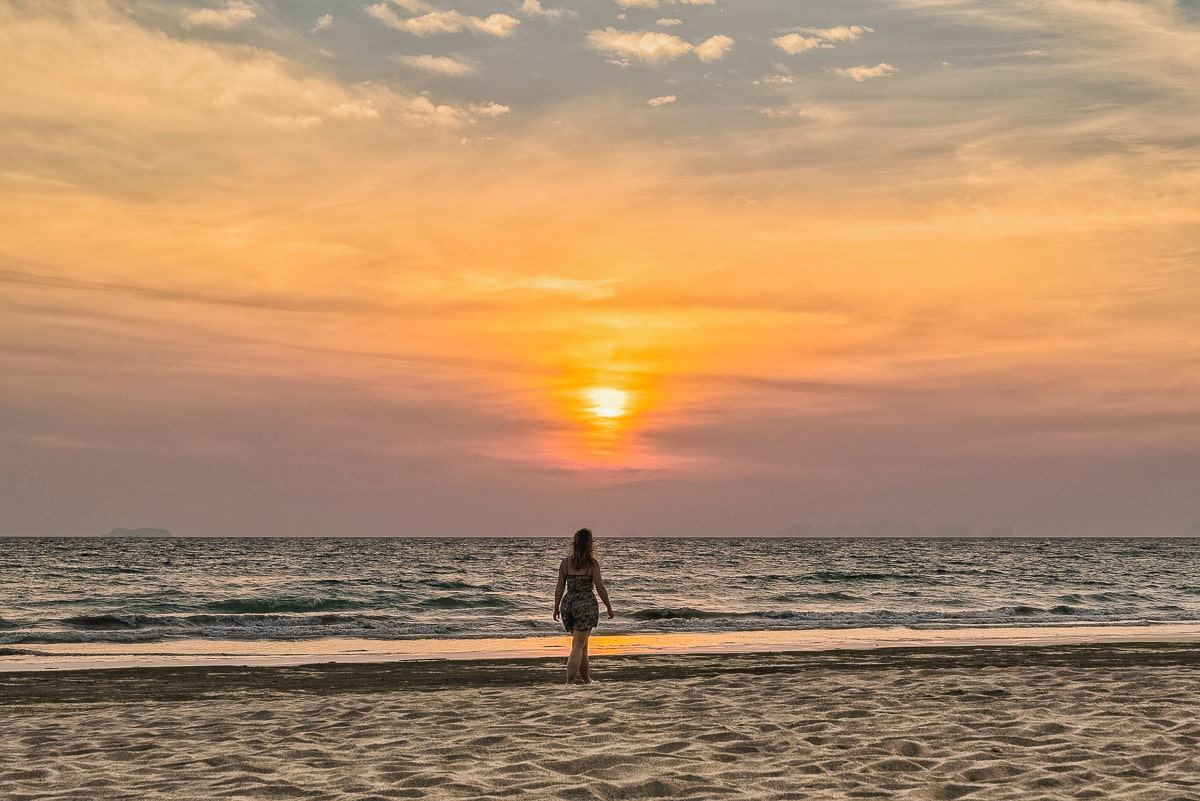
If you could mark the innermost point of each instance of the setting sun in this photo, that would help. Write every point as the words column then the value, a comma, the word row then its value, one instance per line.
column 607, row 402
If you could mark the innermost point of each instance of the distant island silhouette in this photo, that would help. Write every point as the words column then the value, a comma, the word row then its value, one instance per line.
column 139, row 532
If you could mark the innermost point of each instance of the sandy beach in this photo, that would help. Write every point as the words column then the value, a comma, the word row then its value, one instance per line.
column 1076, row 721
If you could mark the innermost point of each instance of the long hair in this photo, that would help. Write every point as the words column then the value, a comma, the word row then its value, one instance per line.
column 582, row 557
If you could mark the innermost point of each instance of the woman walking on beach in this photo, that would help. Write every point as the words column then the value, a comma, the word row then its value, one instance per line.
column 577, row 574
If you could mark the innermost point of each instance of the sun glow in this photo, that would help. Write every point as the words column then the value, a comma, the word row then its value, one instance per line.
column 604, row 421
column 606, row 403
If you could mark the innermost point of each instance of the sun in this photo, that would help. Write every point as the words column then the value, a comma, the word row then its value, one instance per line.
column 600, row 421
column 606, row 403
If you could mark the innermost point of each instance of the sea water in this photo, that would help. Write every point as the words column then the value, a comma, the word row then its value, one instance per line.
column 115, row 590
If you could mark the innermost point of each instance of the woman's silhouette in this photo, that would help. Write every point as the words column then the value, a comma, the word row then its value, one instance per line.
column 577, row 574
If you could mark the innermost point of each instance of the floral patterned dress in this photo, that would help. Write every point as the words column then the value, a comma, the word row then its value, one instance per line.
column 580, row 612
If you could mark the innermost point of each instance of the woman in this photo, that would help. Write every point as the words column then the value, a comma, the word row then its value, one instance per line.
column 577, row 574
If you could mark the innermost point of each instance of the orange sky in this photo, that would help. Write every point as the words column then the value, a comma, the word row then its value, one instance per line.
column 492, row 267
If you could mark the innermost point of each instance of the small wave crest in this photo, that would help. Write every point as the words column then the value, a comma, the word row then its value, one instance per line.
column 464, row 602
column 685, row 613
column 457, row 584
column 95, row 635
column 793, row 597
column 789, row 619
column 1022, row 611
column 838, row 575
column 281, row 605
column 276, row 628
column 107, row 570
column 1027, row 611
column 110, row 622
column 253, row 620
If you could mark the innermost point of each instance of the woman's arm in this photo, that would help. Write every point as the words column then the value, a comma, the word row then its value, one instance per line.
column 601, row 590
column 562, row 584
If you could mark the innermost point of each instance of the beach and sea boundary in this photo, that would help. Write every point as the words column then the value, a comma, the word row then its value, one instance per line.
column 363, row 670
column 1050, row 721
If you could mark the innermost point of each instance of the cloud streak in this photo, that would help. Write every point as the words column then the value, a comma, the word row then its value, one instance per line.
column 231, row 15
column 841, row 33
column 441, row 65
column 805, row 39
column 865, row 73
column 657, row 3
column 534, row 8
column 433, row 23
column 655, row 46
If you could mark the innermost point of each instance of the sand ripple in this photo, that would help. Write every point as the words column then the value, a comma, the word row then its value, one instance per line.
column 819, row 733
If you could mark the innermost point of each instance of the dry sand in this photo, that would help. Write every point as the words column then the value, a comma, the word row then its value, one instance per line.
column 1106, row 722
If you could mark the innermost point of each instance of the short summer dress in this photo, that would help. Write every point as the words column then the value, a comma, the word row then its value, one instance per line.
column 580, row 612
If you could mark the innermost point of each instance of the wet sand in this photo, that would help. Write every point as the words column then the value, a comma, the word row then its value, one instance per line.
column 1073, row 721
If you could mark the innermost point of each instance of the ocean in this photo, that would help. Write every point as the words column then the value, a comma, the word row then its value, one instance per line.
column 113, row 590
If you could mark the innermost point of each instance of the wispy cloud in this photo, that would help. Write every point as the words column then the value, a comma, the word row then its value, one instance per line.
column 842, row 33
column 661, row 101
column 438, row 22
column 534, row 8
column 668, row 22
column 1157, row 41
column 301, row 122
column 362, row 110
column 655, row 46
column 424, row 111
column 414, row 6
column 865, row 73
column 234, row 13
column 489, row 109
column 583, row 289
column 442, row 65
column 657, row 3
column 323, row 22
column 714, row 48
column 794, row 43
column 804, row 39
column 495, row 24
column 384, row 13
column 803, row 111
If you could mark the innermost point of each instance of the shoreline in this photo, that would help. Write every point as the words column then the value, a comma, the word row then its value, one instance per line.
column 191, row 683
column 106, row 656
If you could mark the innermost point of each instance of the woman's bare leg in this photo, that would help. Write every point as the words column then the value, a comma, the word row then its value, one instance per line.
column 583, row 663
column 578, row 652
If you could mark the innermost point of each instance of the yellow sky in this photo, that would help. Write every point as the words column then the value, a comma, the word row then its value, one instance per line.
column 993, row 244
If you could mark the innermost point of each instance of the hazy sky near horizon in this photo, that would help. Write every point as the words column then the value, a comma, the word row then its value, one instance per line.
column 654, row 266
